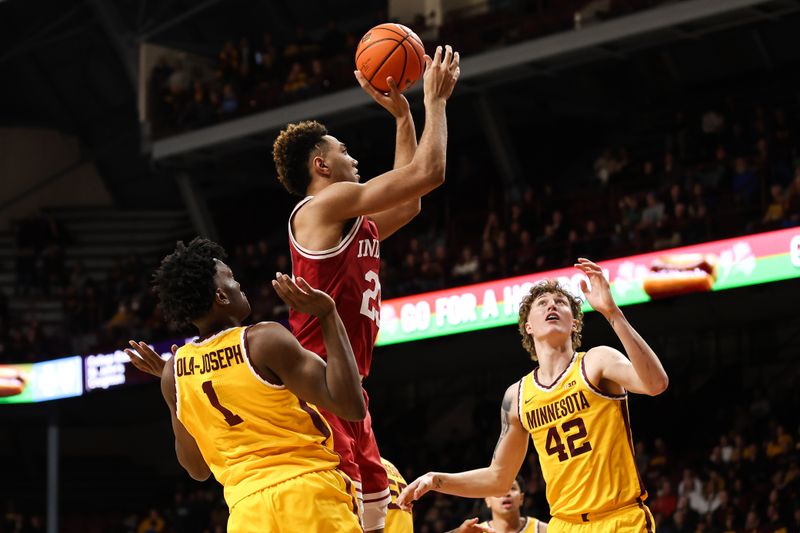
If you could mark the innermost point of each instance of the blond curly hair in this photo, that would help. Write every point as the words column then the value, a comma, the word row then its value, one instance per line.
column 549, row 286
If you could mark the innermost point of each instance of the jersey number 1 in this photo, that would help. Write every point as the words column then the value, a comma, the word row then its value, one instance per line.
column 554, row 445
column 373, row 312
column 231, row 418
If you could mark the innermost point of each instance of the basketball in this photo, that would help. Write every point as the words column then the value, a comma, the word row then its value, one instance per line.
column 391, row 50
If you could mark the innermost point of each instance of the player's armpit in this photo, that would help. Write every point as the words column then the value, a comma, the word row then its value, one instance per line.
column 391, row 220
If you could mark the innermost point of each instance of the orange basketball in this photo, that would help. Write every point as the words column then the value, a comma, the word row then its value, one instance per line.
column 390, row 50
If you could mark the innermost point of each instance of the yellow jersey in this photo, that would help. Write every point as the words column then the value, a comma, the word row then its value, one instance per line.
column 529, row 525
column 397, row 520
column 253, row 434
column 583, row 438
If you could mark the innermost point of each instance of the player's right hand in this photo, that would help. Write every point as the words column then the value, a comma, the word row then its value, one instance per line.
column 145, row 359
column 471, row 526
column 302, row 297
column 416, row 489
column 441, row 73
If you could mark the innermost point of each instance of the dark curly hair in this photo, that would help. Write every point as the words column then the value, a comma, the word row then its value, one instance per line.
column 549, row 286
column 184, row 282
column 290, row 153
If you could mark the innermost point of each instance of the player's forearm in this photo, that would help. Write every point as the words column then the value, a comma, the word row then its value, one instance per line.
column 479, row 483
column 341, row 373
column 405, row 146
column 430, row 157
column 405, row 141
column 644, row 360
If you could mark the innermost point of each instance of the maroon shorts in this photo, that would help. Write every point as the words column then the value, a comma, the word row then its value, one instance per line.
column 361, row 460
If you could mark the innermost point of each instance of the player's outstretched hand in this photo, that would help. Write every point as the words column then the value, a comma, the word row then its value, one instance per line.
column 145, row 359
column 471, row 525
column 599, row 295
column 416, row 490
column 302, row 297
column 441, row 73
column 394, row 102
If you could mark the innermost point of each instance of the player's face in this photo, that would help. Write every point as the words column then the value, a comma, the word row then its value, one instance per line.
column 341, row 165
column 550, row 315
column 239, row 307
column 508, row 504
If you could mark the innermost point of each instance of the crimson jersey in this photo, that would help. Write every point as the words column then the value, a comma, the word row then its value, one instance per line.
column 349, row 273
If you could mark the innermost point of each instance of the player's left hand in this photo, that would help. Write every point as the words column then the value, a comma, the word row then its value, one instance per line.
column 599, row 295
column 302, row 297
column 145, row 359
column 394, row 102
column 416, row 490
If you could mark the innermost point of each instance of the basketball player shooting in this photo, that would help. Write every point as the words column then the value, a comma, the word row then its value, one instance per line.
column 335, row 234
column 575, row 408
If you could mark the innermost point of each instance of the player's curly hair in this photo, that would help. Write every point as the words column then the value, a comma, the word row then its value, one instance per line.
column 290, row 153
column 184, row 282
column 549, row 286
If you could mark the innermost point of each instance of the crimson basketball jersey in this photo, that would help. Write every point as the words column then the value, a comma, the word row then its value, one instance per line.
column 349, row 273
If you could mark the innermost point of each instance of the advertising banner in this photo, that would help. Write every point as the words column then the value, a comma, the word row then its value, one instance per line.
column 711, row 266
column 39, row 382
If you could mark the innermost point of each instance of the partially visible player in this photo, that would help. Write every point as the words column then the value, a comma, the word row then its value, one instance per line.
column 575, row 408
column 335, row 233
column 397, row 519
column 506, row 515
column 241, row 397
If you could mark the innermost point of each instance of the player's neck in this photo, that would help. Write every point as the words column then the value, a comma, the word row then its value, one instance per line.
column 507, row 524
column 210, row 326
column 317, row 185
column 553, row 359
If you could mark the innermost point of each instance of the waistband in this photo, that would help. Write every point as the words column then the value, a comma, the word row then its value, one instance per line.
column 595, row 517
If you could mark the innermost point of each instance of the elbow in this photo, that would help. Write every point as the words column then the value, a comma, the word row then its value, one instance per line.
column 199, row 475
column 198, row 472
column 659, row 386
column 356, row 412
column 436, row 175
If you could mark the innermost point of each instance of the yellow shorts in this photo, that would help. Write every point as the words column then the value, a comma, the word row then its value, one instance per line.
column 317, row 502
column 632, row 519
column 398, row 521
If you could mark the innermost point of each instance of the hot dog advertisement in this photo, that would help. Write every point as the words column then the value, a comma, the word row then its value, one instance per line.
column 710, row 266
column 39, row 382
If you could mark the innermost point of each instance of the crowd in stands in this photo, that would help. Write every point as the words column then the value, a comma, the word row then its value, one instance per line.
column 254, row 74
column 728, row 171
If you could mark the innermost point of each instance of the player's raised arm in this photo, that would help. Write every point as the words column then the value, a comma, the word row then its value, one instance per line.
column 345, row 200
column 643, row 373
column 186, row 448
column 335, row 386
column 394, row 102
column 493, row 480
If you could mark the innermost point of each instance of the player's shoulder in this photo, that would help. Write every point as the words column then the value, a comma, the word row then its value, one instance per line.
column 601, row 355
column 332, row 195
column 265, row 331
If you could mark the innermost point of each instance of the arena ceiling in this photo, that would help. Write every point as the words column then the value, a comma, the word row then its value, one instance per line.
column 71, row 66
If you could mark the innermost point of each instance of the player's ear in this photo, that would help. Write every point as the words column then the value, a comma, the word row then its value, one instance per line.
column 320, row 166
column 528, row 328
column 220, row 297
